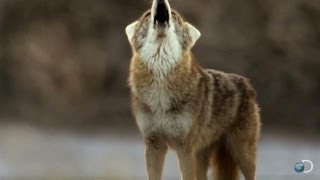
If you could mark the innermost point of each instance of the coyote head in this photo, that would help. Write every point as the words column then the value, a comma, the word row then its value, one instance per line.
column 161, row 31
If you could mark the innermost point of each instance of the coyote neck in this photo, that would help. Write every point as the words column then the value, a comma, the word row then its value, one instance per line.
column 161, row 55
column 166, row 68
column 158, row 87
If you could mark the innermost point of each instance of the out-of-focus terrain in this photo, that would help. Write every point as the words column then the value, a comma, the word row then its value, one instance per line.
column 26, row 151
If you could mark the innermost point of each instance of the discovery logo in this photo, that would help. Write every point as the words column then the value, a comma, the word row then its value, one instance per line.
column 299, row 167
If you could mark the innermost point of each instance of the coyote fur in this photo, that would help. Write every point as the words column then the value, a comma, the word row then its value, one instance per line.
column 210, row 118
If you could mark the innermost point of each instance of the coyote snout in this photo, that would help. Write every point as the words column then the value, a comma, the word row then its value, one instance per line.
column 210, row 118
column 161, row 15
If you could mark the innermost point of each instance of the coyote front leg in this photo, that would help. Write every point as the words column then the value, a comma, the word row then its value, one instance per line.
column 202, row 163
column 187, row 164
column 156, row 149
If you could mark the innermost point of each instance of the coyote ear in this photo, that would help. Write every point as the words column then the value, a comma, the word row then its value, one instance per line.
column 194, row 34
column 130, row 30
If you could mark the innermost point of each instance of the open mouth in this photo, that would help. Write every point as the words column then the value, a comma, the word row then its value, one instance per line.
column 162, row 14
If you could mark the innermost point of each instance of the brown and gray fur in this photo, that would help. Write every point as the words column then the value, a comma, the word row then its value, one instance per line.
column 210, row 118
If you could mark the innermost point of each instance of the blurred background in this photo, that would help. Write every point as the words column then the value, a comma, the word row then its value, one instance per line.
column 65, row 106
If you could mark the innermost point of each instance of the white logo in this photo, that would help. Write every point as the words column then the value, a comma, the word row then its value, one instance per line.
column 299, row 167
column 311, row 166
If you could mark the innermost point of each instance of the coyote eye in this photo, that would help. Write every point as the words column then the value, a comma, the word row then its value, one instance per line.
column 176, row 17
column 147, row 14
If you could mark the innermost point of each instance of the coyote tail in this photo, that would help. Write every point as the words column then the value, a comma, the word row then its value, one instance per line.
column 224, row 165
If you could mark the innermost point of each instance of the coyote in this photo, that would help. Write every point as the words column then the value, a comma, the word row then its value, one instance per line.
column 210, row 118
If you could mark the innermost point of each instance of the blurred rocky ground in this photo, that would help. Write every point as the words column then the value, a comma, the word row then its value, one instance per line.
column 64, row 63
column 37, row 154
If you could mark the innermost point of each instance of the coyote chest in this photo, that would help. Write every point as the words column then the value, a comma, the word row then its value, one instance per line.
column 176, row 125
column 157, row 96
column 160, row 98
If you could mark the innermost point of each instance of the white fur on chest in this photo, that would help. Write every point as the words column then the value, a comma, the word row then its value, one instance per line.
column 157, row 97
column 172, row 126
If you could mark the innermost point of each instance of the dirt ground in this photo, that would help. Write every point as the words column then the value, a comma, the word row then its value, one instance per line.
column 26, row 151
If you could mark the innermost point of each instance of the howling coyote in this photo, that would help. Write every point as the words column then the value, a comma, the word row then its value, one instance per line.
column 210, row 118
